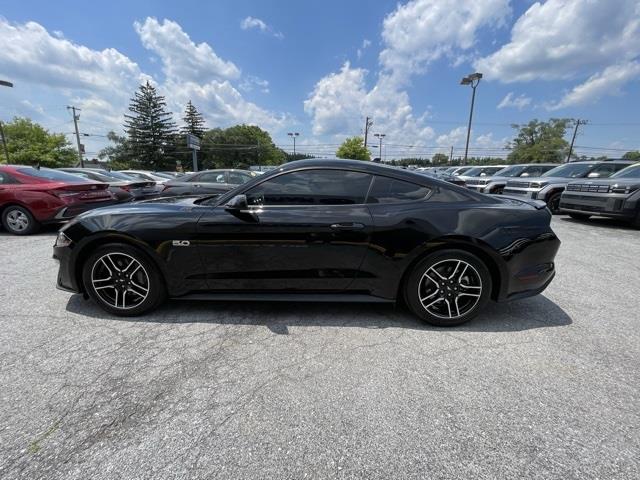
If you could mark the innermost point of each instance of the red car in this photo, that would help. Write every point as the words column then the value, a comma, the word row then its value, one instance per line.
column 32, row 196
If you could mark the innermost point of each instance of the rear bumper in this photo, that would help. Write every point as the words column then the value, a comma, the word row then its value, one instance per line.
column 531, row 267
column 71, row 211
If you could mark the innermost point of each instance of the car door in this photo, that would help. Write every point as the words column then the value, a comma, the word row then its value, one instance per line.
column 306, row 230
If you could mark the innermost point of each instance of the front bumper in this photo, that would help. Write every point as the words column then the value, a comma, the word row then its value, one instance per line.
column 606, row 205
column 66, row 280
column 521, row 192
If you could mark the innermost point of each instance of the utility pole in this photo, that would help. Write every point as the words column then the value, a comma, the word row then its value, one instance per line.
column 573, row 139
column 75, row 123
column 367, row 123
column 4, row 143
column 451, row 156
column 5, row 83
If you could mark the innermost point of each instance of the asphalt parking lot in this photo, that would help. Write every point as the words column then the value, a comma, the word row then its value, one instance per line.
column 547, row 387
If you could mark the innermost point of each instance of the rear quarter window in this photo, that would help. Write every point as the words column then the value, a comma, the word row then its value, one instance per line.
column 391, row 190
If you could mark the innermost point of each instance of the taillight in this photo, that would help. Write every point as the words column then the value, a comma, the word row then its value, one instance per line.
column 62, row 193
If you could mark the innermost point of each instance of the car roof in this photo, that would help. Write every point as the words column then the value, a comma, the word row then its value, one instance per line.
column 361, row 165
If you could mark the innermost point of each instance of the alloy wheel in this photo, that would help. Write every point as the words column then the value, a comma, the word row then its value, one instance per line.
column 120, row 280
column 450, row 289
column 17, row 220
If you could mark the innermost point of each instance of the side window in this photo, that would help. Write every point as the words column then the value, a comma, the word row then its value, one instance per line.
column 602, row 171
column 6, row 179
column 533, row 171
column 619, row 166
column 238, row 178
column 312, row 187
column 211, row 177
column 390, row 190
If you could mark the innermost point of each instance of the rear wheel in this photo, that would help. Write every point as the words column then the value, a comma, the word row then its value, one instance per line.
column 580, row 216
column 19, row 220
column 448, row 288
column 122, row 280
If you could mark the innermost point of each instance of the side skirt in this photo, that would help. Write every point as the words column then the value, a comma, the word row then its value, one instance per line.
column 286, row 297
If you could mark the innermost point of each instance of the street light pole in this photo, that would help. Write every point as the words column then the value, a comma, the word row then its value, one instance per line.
column 293, row 135
column 473, row 80
column 5, row 83
column 380, row 137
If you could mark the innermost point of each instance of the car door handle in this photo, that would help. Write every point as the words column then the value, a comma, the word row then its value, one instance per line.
column 347, row 226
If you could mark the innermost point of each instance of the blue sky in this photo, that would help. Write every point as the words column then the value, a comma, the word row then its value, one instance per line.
column 319, row 68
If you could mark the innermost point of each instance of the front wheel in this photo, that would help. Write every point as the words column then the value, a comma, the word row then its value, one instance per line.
column 19, row 220
column 122, row 280
column 554, row 203
column 448, row 288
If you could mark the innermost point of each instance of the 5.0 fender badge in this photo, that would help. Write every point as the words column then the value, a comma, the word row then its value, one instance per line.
column 181, row 243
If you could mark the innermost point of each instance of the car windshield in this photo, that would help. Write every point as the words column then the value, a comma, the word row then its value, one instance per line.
column 514, row 171
column 630, row 172
column 569, row 170
column 53, row 175
column 477, row 171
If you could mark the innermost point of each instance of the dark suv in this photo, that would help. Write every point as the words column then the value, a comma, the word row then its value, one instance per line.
column 616, row 197
column 549, row 187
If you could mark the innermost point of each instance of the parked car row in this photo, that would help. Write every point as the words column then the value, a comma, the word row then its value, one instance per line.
column 609, row 188
column 31, row 196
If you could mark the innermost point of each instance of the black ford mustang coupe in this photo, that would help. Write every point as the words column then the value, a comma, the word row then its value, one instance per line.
column 313, row 230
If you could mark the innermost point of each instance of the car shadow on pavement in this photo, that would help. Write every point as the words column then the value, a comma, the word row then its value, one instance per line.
column 535, row 312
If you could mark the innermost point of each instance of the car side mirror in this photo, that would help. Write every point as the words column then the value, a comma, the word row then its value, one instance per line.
column 239, row 202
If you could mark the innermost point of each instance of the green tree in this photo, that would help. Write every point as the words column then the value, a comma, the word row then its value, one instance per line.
column 118, row 153
column 353, row 148
column 193, row 121
column 238, row 147
column 632, row 155
column 150, row 129
column 538, row 141
column 29, row 143
column 440, row 159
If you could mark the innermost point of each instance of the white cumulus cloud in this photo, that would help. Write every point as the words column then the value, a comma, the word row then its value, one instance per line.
column 511, row 101
column 250, row 22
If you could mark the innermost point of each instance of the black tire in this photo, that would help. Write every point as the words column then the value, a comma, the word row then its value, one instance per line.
column 580, row 216
column 19, row 220
column 101, row 268
column 554, row 203
column 460, row 295
column 636, row 221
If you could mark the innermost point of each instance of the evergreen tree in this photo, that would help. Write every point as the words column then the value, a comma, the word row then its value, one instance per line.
column 193, row 121
column 150, row 129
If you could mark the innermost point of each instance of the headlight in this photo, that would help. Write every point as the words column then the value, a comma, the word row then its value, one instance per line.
column 622, row 189
column 538, row 184
column 62, row 240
